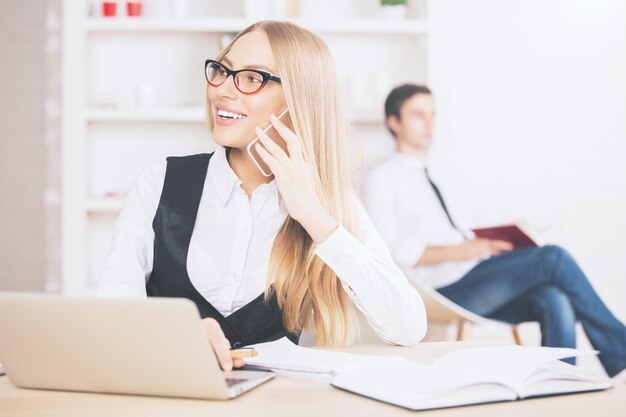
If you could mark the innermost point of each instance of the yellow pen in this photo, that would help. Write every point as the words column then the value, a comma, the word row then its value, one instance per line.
column 242, row 353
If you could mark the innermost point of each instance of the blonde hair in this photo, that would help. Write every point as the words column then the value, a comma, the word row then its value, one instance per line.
column 307, row 290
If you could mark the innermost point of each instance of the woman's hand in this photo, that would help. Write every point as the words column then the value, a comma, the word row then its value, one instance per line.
column 220, row 345
column 294, row 181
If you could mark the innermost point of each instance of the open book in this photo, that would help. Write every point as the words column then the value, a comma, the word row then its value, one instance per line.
column 474, row 376
column 509, row 232
column 463, row 377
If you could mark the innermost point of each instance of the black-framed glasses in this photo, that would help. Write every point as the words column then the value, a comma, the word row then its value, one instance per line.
column 248, row 81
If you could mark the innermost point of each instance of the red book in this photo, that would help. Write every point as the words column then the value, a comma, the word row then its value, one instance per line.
column 509, row 232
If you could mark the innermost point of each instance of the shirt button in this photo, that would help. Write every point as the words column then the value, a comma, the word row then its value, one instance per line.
column 237, row 345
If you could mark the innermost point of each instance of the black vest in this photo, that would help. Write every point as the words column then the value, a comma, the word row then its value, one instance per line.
column 256, row 322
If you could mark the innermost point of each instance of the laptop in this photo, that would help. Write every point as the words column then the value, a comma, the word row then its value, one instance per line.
column 146, row 347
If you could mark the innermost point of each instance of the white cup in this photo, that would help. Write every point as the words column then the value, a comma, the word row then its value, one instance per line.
column 144, row 96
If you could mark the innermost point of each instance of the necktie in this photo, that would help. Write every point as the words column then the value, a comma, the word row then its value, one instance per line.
column 440, row 198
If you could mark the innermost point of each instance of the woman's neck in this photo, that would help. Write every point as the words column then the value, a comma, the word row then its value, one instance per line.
column 243, row 166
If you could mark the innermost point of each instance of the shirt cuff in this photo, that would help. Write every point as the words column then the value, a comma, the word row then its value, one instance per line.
column 340, row 251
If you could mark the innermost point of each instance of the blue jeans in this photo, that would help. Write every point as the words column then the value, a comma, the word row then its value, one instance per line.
column 546, row 285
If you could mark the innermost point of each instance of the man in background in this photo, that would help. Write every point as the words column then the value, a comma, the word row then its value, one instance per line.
column 487, row 277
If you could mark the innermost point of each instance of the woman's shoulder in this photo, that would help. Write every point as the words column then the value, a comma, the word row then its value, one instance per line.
column 149, row 183
column 146, row 189
column 154, row 173
column 190, row 158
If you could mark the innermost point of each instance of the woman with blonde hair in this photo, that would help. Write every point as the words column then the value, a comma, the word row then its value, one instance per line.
column 261, row 256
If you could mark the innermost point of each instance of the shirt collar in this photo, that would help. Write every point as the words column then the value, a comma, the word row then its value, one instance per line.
column 410, row 161
column 223, row 176
column 225, row 180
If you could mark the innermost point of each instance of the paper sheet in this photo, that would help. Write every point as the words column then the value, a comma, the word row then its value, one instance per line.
column 284, row 357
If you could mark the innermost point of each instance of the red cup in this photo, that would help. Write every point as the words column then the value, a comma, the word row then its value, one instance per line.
column 133, row 8
column 109, row 8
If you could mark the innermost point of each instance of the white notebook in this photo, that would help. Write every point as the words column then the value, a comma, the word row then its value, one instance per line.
column 463, row 377
column 474, row 376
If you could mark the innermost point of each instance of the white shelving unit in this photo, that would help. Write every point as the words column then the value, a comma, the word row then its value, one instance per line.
column 350, row 26
column 110, row 133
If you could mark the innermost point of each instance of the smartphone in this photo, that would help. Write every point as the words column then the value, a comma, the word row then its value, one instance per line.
column 258, row 161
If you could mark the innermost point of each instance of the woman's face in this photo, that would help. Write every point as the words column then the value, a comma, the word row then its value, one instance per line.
column 251, row 51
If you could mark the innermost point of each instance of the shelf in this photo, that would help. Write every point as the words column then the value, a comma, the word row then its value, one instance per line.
column 180, row 114
column 144, row 24
column 103, row 205
column 167, row 114
column 368, row 26
column 208, row 25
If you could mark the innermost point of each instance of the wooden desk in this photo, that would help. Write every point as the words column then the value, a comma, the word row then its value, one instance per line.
column 293, row 397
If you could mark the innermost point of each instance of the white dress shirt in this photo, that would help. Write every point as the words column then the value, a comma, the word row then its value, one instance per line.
column 230, row 249
column 409, row 216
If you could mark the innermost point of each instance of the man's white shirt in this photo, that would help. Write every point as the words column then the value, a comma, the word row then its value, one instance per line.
column 409, row 217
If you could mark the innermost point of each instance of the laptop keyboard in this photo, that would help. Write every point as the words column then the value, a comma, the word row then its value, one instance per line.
column 234, row 381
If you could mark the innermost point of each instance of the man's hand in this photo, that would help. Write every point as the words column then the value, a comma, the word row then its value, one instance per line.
column 220, row 345
column 482, row 248
column 468, row 250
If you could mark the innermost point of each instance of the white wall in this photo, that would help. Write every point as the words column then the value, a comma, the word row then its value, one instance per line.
column 531, row 100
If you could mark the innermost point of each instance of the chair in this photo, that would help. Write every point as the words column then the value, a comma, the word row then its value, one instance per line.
column 439, row 309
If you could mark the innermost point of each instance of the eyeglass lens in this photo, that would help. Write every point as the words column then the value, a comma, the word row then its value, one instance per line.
column 245, row 81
